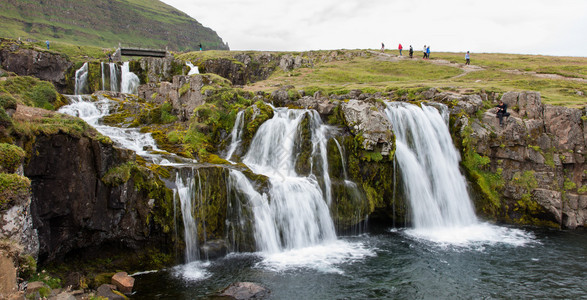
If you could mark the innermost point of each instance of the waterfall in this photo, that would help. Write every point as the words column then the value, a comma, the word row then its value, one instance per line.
column 300, row 216
column 114, row 77
column 185, row 192
column 103, row 76
column 429, row 166
column 193, row 69
column 81, row 80
column 130, row 138
column 130, row 81
column 236, row 134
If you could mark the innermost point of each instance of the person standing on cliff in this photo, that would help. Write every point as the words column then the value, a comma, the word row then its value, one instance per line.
column 47, row 42
column 424, row 51
column 411, row 52
column 467, row 59
column 400, row 49
column 382, row 47
column 428, row 52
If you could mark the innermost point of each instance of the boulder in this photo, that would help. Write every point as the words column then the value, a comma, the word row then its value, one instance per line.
column 106, row 291
column 8, row 275
column 184, row 94
column 365, row 119
column 46, row 66
column 123, row 282
column 245, row 290
column 214, row 249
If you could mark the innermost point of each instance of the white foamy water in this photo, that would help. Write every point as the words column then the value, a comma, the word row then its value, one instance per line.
column 193, row 69
column 474, row 236
column 325, row 257
column 298, row 205
column 236, row 134
column 293, row 227
column 81, row 80
column 442, row 211
column 130, row 81
column 194, row 271
column 113, row 77
column 130, row 138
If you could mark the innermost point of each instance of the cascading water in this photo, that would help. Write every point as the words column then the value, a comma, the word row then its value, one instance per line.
column 236, row 134
column 184, row 192
column 436, row 190
column 293, row 226
column 301, row 215
column 113, row 77
column 81, row 80
column 193, row 69
column 130, row 81
column 103, row 76
column 429, row 164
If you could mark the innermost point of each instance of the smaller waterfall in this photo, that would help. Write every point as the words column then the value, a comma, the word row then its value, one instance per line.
column 236, row 134
column 114, row 77
column 193, row 69
column 319, row 141
column 185, row 192
column 342, row 160
column 103, row 76
column 81, row 80
column 130, row 81
column 129, row 138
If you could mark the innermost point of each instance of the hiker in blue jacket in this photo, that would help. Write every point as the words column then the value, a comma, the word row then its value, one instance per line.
column 428, row 52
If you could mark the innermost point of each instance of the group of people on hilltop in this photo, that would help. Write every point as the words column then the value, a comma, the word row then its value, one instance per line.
column 425, row 52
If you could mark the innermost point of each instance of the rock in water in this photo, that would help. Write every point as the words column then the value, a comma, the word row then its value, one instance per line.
column 245, row 290
column 123, row 282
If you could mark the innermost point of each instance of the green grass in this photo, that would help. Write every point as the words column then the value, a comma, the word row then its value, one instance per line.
column 370, row 73
column 105, row 23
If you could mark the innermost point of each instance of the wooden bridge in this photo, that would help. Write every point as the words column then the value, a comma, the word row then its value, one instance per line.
column 127, row 51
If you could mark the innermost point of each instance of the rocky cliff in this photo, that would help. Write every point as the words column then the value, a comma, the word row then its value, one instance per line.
column 539, row 154
column 29, row 62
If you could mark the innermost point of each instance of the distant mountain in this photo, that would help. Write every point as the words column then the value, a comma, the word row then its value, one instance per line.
column 105, row 23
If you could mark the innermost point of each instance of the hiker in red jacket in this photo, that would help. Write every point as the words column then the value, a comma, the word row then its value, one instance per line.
column 400, row 49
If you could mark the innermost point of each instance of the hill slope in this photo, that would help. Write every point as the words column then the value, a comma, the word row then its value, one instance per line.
column 105, row 23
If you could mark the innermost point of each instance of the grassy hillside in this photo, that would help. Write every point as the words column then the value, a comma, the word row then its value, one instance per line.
column 560, row 80
column 105, row 23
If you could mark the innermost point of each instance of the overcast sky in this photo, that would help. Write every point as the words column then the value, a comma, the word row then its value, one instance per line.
column 551, row 27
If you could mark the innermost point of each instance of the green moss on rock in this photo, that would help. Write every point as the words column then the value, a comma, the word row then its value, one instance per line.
column 11, row 157
column 13, row 188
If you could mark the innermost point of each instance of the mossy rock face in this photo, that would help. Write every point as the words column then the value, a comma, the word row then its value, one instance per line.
column 13, row 189
column 303, row 147
column 365, row 189
column 255, row 116
column 29, row 91
column 11, row 157
column 221, row 213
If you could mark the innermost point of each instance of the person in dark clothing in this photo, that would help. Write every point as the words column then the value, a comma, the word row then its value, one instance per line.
column 502, row 111
column 411, row 51
column 200, row 46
